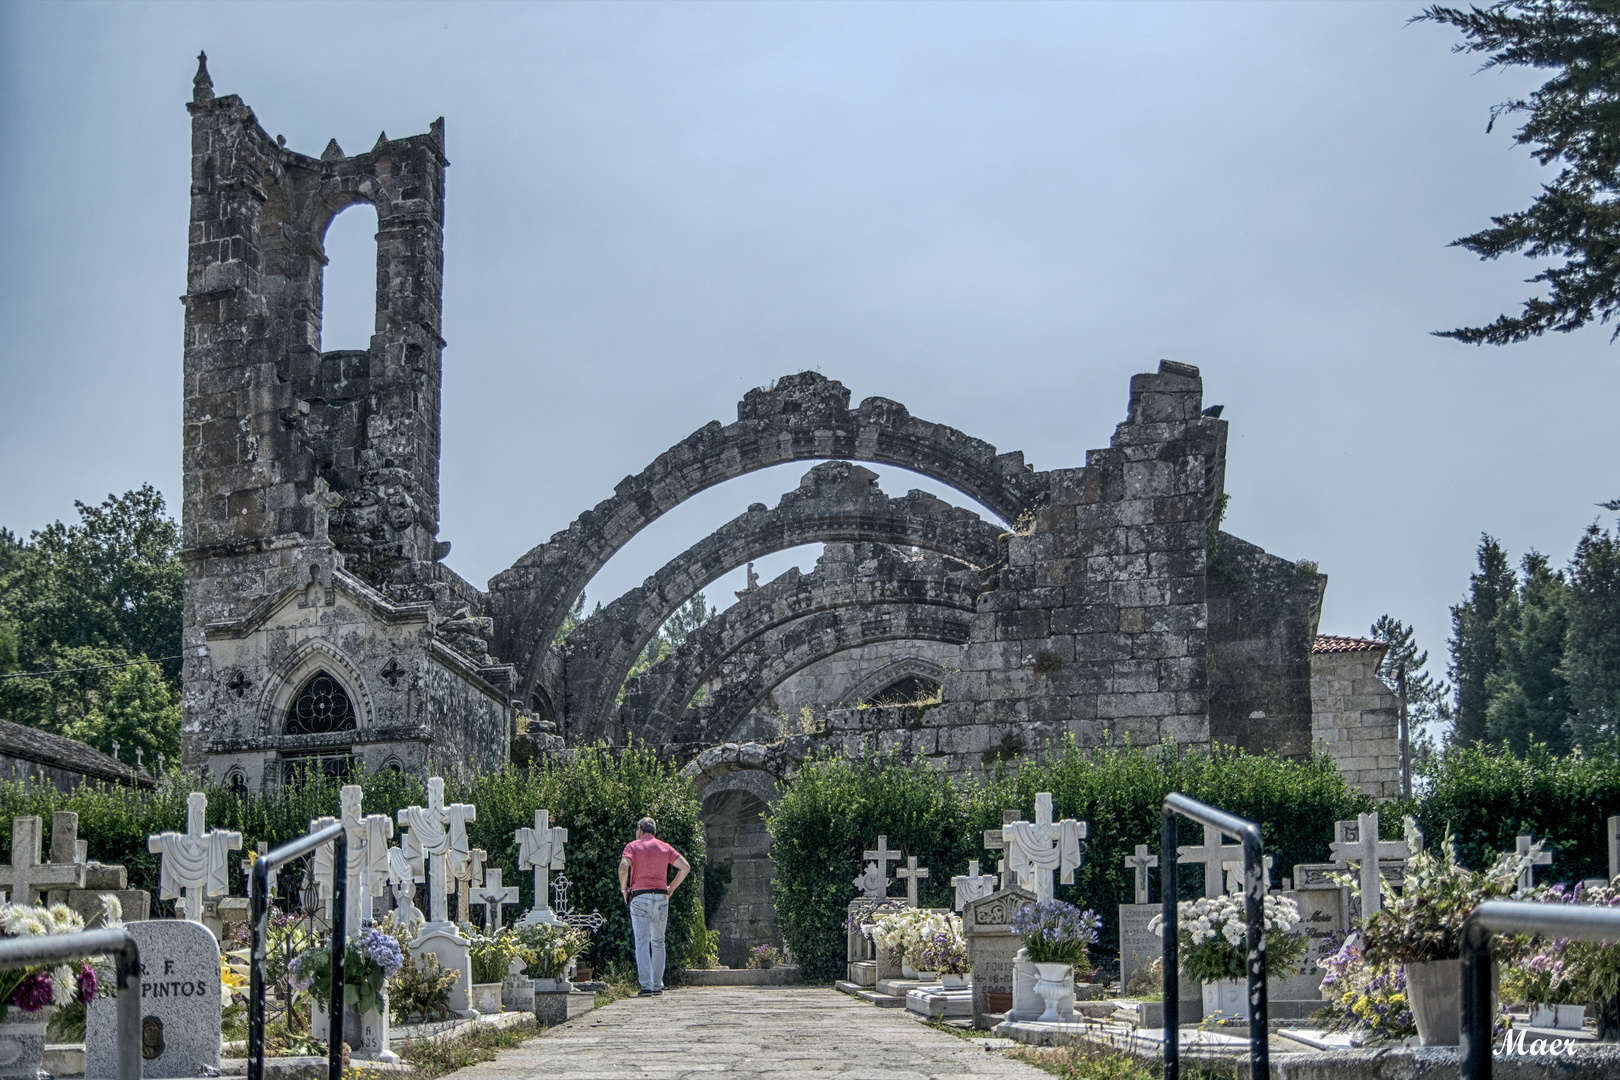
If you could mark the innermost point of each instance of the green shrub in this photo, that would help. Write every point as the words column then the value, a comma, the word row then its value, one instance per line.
column 1489, row 796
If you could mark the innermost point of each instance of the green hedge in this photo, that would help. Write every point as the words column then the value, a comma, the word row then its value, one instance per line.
column 598, row 796
column 1487, row 797
column 835, row 809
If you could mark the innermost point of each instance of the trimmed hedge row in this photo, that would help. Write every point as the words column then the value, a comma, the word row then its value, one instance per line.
column 598, row 796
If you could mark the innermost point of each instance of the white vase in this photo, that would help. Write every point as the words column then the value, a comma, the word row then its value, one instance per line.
column 1051, row 983
column 928, row 976
column 907, row 971
column 953, row 982
column 1229, row 997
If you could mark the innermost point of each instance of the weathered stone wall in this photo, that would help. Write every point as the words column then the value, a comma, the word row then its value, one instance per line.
column 739, row 852
column 1355, row 713
column 844, row 681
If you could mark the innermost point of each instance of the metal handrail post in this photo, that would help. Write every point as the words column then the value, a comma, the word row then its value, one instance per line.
column 259, row 911
column 1572, row 921
column 120, row 945
column 1254, row 914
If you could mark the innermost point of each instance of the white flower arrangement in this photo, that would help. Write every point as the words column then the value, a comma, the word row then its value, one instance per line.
column 911, row 930
column 1214, row 934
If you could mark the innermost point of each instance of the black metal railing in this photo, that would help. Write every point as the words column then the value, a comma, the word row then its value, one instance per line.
column 259, row 919
column 1254, row 911
column 118, row 944
column 1572, row 921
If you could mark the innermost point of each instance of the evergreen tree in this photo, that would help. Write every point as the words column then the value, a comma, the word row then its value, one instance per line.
column 1425, row 695
column 1475, row 651
column 1592, row 650
column 1569, row 121
column 1528, row 697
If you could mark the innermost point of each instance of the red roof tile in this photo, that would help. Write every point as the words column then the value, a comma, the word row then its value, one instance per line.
column 1333, row 643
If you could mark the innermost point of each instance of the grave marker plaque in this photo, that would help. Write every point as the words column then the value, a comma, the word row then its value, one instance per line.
column 1138, row 946
column 179, row 1004
column 992, row 947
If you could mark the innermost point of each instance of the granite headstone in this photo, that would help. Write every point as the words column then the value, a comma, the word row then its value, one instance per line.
column 992, row 948
column 180, row 1004
column 1138, row 946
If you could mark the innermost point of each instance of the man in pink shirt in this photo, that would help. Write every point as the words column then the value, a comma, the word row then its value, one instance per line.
column 644, row 883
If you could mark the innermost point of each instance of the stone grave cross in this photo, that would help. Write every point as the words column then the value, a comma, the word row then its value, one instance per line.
column 973, row 885
column 1527, row 877
column 438, row 834
column 1141, row 862
column 1614, row 847
column 877, row 884
column 195, row 861
column 464, row 883
column 491, row 895
column 1036, row 850
column 1366, row 849
column 1234, row 874
column 995, row 840
column 913, row 874
column 27, row 876
column 367, row 859
column 402, row 882
column 541, row 849
column 1213, row 853
column 321, row 501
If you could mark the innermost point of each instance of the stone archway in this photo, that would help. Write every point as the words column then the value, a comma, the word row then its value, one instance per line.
column 803, row 417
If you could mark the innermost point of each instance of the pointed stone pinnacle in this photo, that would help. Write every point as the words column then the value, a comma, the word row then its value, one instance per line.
column 332, row 151
column 202, row 87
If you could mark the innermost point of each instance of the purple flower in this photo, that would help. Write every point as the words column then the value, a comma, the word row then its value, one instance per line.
column 381, row 950
column 34, row 993
column 87, row 984
column 296, row 977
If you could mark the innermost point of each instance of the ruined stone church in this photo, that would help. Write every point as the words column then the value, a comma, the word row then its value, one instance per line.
column 324, row 628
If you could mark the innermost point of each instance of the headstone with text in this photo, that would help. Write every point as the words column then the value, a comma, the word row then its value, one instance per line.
column 180, row 1005
column 1138, row 946
column 992, row 950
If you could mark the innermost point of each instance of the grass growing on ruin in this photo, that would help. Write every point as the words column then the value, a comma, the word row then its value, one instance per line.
column 431, row 1059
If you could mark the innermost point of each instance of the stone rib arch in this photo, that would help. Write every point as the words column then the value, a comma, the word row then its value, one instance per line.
column 802, row 417
column 834, row 502
column 754, row 671
column 888, row 675
column 853, row 575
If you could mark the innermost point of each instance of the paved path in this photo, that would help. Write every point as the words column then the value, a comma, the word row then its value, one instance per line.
column 782, row 1033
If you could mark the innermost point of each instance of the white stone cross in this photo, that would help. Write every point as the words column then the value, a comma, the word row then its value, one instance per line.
column 367, row 858
column 1036, row 850
column 464, row 884
column 437, row 837
column 196, row 861
column 1141, row 862
column 491, row 895
column 320, row 501
column 973, row 885
column 402, row 882
column 1234, row 874
column 877, row 885
column 1614, row 847
column 1527, row 876
column 1366, row 850
column 995, row 841
column 541, row 849
column 27, row 875
column 913, row 874
column 1214, row 854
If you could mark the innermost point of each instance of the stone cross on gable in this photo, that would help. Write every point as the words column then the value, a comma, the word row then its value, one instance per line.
column 491, row 895
column 972, row 886
column 1527, row 877
column 1141, row 862
column 27, row 877
column 1036, row 850
column 1614, row 847
column 195, row 861
column 1214, row 854
column 913, row 874
column 1366, row 849
column 437, row 837
column 541, row 849
column 877, row 885
column 464, row 883
column 1234, row 874
column 321, row 501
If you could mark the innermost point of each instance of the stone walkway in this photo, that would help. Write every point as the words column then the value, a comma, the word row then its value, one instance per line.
column 733, row 1032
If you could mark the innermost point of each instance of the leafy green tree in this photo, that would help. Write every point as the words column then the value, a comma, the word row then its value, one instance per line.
column 1570, row 121
column 1475, row 650
column 1592, row 649
column 1528, row 696
column 134, row 709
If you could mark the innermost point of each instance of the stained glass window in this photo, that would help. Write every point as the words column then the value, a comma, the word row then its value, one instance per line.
column 321, row 706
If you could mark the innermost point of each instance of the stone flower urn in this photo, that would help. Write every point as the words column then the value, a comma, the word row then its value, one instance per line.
column 1051, row 983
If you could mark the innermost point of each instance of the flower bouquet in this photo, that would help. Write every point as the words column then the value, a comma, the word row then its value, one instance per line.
column 946, row 954
column 35, row 989
column 368, row 961
column 1367, row 999
column 911, row 930
column 764, row 957
column 1214, row 937
column 553, row 947
column 1056, row 932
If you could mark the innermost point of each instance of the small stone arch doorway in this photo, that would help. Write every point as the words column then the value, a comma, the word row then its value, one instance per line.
column 737, row 898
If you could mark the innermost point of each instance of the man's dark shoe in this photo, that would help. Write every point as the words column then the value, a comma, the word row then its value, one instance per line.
column 656, row 993
column 645, row 993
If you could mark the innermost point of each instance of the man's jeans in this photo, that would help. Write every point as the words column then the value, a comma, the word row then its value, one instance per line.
column 649, row 914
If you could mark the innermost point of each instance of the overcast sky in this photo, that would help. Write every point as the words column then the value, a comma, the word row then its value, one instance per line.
column 994, row 213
